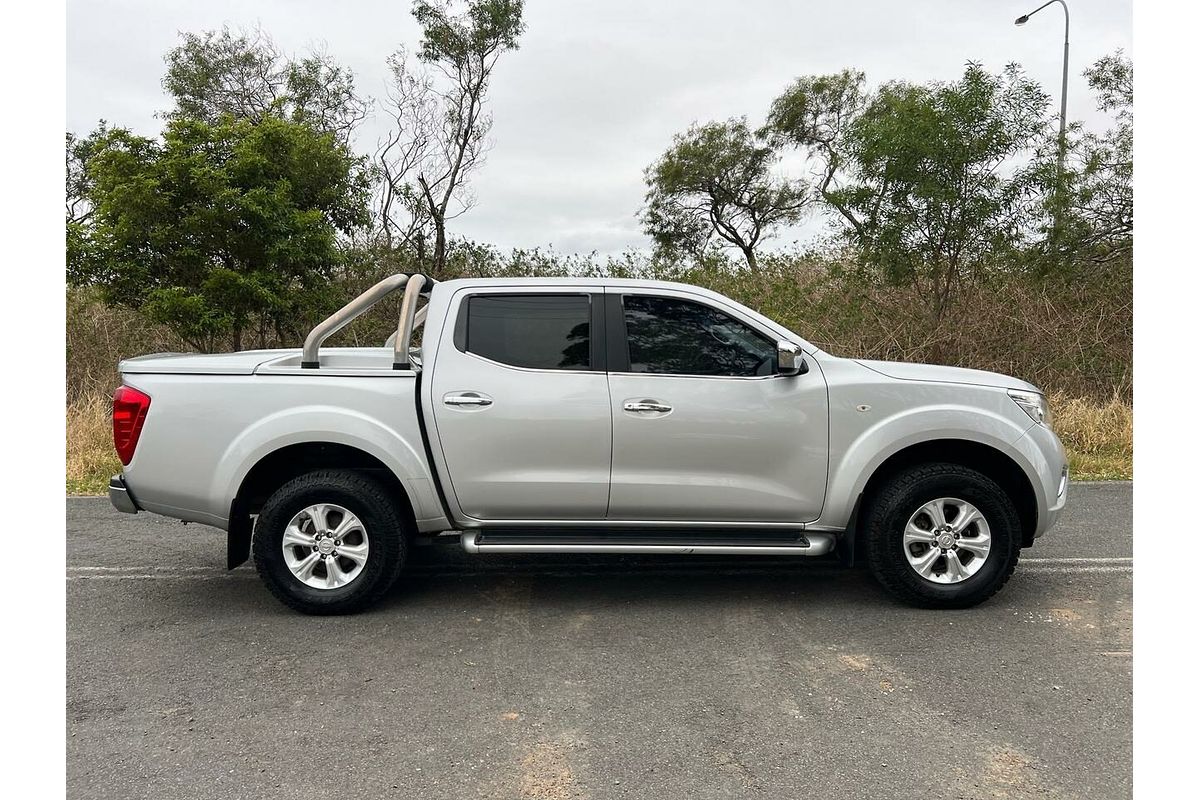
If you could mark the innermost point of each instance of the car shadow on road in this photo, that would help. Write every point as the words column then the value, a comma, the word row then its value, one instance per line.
column 434, row 581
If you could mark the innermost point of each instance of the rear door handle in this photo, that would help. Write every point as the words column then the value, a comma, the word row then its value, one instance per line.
column 646, row 406
column 467, row 399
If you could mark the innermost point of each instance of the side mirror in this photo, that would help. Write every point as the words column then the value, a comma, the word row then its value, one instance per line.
column 790, row 358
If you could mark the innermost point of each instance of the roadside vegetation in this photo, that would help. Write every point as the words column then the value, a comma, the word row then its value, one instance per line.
column 959, row 229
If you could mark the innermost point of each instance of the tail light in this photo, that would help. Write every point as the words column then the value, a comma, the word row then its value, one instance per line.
column 129, row 413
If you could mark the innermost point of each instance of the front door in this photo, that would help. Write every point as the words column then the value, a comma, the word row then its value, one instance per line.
column 704, row 429
column 521, row 406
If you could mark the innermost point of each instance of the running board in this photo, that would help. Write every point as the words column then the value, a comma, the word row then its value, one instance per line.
column 809, row 544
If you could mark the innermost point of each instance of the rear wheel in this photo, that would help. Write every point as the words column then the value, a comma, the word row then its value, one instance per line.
column 942, row 536
column 329, row 542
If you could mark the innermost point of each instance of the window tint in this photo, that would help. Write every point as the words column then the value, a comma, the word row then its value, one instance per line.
column 680, row 337
column 541, row 331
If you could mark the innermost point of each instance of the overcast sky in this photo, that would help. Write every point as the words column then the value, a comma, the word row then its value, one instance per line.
column 598, row 88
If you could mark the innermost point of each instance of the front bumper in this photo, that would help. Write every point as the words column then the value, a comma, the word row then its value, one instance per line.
column 1056, row 505
column 1045, row 454
column 120, row 496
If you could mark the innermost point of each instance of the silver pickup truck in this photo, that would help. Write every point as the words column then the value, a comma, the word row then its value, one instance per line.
column 586, row 416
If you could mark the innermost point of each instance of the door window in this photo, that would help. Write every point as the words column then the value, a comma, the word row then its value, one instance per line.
column 680, row 337
column 538, row 331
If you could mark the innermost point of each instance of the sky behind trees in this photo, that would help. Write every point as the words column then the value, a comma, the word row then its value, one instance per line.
column 596, row 90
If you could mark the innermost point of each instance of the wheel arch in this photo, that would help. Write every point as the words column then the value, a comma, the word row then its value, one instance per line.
column 983, row 458
column 290, row 461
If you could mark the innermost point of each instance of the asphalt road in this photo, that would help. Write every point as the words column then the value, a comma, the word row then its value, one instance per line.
column 573, row 677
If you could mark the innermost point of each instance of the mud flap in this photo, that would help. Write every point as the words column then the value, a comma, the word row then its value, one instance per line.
column 849, row 538
column 241, row 526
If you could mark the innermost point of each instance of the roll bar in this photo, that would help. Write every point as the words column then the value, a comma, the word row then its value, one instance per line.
column 415, row 284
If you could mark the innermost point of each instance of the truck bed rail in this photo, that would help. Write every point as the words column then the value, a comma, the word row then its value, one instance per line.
column 414, row 284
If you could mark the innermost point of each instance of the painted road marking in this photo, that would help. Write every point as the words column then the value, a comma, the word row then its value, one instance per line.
column 1040, row 565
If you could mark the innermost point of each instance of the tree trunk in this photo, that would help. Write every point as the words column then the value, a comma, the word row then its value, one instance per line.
column 751, row 259
column 439, row 249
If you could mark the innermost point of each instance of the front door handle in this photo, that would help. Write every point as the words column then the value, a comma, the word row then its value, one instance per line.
column 646, row 406
column 467, row 399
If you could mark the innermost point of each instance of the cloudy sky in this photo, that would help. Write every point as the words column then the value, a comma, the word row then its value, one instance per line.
column 597, row 88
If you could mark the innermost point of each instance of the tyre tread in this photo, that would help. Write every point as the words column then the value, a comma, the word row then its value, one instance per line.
column 894, row 573
column 391, row 540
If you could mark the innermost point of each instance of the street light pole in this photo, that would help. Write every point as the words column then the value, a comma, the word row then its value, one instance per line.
column 1062, row 114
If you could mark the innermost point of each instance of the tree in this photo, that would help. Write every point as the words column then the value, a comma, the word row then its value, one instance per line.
column 400, row 204
column 716, row 180
column 78, row 189
column 246, row 76
column 78, row 151
column 1098, row 218
column 932, row 183
column 441, row 125
column 219, row 228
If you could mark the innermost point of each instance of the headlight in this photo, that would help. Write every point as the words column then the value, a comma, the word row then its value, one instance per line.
column 1033, row 404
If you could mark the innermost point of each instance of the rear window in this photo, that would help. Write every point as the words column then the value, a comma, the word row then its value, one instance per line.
column 537, row 331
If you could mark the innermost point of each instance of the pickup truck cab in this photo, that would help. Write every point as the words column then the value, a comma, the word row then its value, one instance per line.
column 586, row 415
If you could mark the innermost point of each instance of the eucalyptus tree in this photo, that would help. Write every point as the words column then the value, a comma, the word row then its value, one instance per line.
column 438, row 106
column 716, row 185
column 1098, row 218
column 246, row 75
column 932, row 183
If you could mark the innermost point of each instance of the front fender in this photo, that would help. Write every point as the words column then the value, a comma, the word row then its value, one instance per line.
column 855, row 459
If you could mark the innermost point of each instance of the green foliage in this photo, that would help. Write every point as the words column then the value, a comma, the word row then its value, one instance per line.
column 925, row 179
column 188, row 314
column 485, row 28
column 716, row 180
column 1095, row 219
column 219, row 228
column 245, row 75
column 79, row 182
column 1111, row 78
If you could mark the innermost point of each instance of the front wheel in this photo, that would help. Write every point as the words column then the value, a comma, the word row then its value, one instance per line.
column 941, row 536
column 329, row 542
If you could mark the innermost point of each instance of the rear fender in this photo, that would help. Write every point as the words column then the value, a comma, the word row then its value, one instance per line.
column 304, row 424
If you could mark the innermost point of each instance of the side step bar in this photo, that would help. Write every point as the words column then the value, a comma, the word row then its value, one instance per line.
column 809, row 544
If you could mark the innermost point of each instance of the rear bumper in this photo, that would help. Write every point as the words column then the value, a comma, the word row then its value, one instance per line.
column 120, row 496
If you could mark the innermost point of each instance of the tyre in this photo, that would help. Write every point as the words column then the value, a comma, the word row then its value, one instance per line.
column 330, row 542
column 941, row 536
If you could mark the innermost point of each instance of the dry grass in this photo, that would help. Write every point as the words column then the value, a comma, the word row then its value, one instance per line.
column 91, row 459
column 99, row 336
column 1098, row 436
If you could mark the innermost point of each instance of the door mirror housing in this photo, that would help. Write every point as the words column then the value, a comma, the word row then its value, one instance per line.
column 790, row 358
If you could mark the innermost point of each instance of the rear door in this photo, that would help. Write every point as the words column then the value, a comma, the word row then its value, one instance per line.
column 704, row 429
column 521, row 405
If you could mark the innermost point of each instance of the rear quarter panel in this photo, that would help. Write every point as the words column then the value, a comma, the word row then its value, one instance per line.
column 204, row 433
